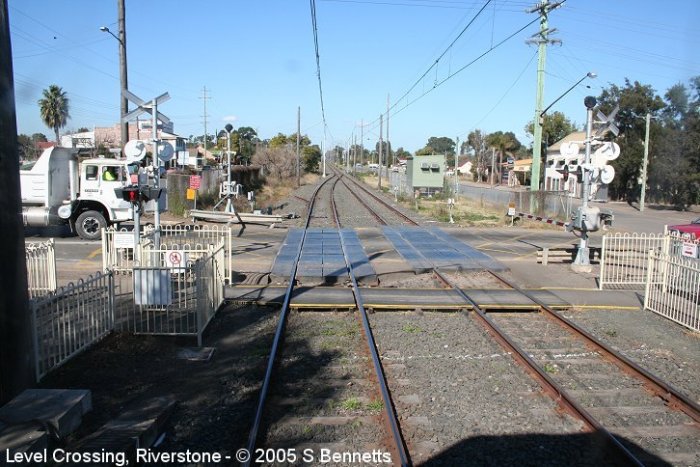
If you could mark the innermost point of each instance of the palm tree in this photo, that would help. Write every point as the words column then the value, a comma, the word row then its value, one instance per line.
column 53, row 109
column 505, row 144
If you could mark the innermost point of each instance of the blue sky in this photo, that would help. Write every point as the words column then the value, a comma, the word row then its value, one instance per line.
column 256, row 59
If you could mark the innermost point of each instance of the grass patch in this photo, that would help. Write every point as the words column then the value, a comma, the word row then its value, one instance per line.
column 340, row 329
column 611, row 333
column 550, row 368
column 352, row 403
column 411, row 328
column 375, row 406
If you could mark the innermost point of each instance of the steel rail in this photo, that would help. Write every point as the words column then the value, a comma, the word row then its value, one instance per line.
column 381, row 201
column 671, row 396
column 389, row 409
column 550, row 387
column 279, row 333
column 374, row 213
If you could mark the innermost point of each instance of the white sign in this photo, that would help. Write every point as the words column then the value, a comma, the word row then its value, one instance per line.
column 176, row 259
column 511, row 210
column 124, row 240
column 690, row 250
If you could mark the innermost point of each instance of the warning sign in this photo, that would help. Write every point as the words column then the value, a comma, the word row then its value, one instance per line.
column 176, row 259
column 690, row 250
column 191, row 193
column 195, row 181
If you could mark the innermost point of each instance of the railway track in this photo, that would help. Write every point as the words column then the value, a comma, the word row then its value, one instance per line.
column 328, row 381
column 616, row 412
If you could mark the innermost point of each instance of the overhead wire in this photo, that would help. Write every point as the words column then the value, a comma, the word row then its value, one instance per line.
column 314, row 26
column 461, row 69
column 435, row 63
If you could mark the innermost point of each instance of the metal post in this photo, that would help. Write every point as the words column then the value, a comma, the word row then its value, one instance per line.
column 354, row 154
column 644, row 164
column 379, row 155
column 582, row 255
column 493, row 165
column 137, row 230
column 298, row 146
column 388, row 144
column 156, row 175
column 362, row 140
column 456, row 166
column 542, row 42
column 229, row 206
column 122, row 70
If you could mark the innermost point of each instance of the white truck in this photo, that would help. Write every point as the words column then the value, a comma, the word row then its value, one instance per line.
column 58, row 190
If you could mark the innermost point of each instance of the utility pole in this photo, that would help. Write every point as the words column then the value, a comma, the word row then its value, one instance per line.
column 389, row 157
column 354, row 154
column 15, row 319
column 205, row 116
column 493, row 165
column 379, row 155
column 644, row 164
column 457, row 166
column 362, row 140
column 156, row 174
column 542, row 40
column 121, row 14
column 298, row 147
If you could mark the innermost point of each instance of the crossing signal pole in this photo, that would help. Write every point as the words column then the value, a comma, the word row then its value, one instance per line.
column 542, row 39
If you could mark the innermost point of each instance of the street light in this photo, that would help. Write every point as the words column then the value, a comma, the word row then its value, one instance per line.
column 124, row 107
column 228, row 128
column 590, row 74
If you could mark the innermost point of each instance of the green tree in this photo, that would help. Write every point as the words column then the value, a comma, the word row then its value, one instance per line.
column 39, row 137
column 54, row 109
column 635, row 101
column 555, row 126
column 674, row 166
column 311, row 158
column 505, row 144
column 401, row 153
column 440, row 145
column 476, row 146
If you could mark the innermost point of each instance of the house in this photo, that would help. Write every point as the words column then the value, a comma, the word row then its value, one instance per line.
column 465, row 169
column 569, row 152
column 110, row 137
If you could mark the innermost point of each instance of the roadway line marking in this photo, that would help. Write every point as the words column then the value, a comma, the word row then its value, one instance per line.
column 94, row 253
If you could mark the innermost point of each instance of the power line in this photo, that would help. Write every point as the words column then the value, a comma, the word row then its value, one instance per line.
column 440, row 83
column 314, row 25
column 435, row 63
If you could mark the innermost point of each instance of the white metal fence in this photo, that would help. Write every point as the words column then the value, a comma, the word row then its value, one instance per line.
column 118, row 245
column 157, row 295
column 165, row 297
column 41, row 268
column 673, row 288
column 67, row 322
column 624, row 257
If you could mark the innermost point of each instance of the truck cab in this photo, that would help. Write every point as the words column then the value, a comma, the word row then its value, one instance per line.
column 58, row 189
column 98, row 203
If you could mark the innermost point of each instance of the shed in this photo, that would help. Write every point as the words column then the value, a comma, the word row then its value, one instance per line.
column 425, row 173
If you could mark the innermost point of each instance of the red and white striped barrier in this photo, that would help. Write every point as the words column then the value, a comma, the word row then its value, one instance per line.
column 542, row 219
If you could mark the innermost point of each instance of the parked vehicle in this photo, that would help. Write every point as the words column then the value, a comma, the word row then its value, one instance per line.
column 58, row 190
column 373, row 166
column 690, row 231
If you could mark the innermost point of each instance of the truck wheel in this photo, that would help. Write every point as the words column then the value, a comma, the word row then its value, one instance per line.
column 89, row 224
